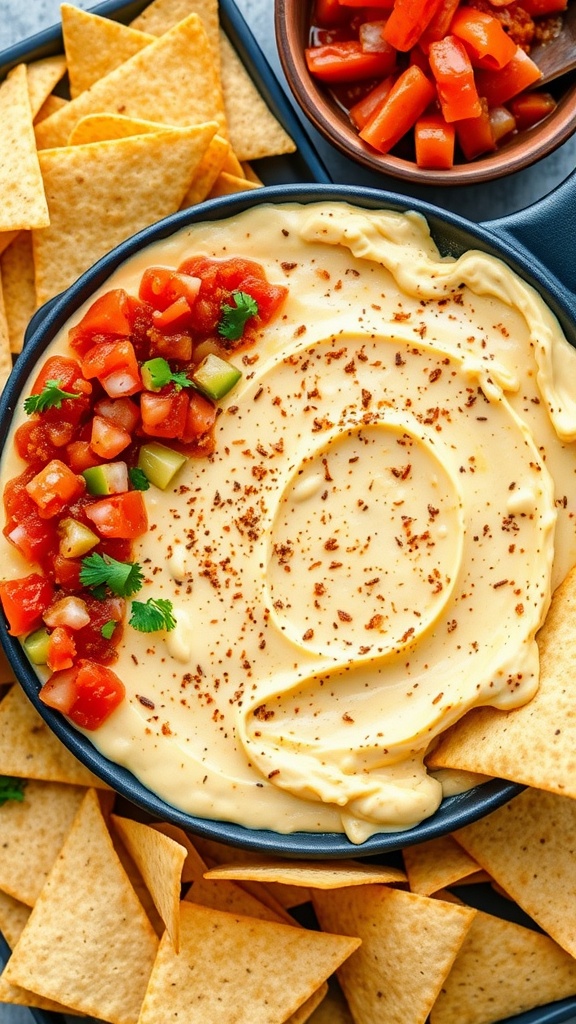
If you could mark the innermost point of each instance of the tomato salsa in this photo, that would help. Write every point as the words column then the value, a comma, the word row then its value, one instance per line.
column 435, row 81
column 135, row 397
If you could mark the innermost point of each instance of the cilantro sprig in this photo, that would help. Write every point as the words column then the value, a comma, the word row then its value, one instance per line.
column 152, row 615
column 156, row 374
column 234, row 318
column 138, row 479
column 11, row 789
column 51, row 397
column 122, row 578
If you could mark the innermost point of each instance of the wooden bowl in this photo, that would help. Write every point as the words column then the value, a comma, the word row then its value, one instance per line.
column 292, row 19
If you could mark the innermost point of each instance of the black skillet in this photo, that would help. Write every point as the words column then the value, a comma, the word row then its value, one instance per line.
column 538, row 243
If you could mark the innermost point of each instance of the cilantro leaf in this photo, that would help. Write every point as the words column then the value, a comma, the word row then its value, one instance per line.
column 11, row 789
column 234, row 318
column 108, row 629
column 138, row 479
column 122, row 578
column 156, row 374
column 51, row 397
column 151, row 615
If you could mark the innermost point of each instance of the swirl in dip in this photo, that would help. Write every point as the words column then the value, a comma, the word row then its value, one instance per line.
column 370, row 549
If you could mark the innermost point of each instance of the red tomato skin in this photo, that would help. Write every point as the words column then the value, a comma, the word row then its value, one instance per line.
column 61, row 650
column 68, row 373
column 222, row 277
column 107, row 318
column 24, row 602
column 119, row 516
column 87, row 694
column 54, row 487
column 164, row 413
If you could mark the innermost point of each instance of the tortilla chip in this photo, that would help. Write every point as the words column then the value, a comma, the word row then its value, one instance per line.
column 51, row 104
column 22, row 200
column 32, row 834
column 534, row 744
column 207, row 172
column 304, row 1012
column 161, row 15
column 172, row 80
column 6, row 239
column 99, row 127
column 193, row 864
column 17, row 269
column 13, row 917
column 224, row 895
column 333, row 1009
column 232, row 164
column 159, row 860
column 503, row 969
column 250, row 173
column 43, row 75
column 253, row 130
column 227, row 184
column 29, row 749
column 238, row 968
column 409, row 943
column 136, row 180
column 94, row 46
column 309, row 874
column 527, row 846
column 17, row 996
column 5, row 355
column 437, row 863
column 88, row 942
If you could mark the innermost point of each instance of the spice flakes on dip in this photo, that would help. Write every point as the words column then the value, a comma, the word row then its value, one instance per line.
column 369, row 548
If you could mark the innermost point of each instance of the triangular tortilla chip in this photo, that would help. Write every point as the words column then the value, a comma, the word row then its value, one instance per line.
column 161, row 15
column 94, row 46
column 136, row 181
column 527, row 846
column 223, row 895
column 253, row 130
column 51, row 104
column 88, row 942
column 333, row 1009
column 17, row 269
column 227, row 184
column 172, row 80
column 193, row 864
column 13, row 917
column 5, row 355
column 43, row 75
column 310, row 874
column 159, row 860
column 304, row 1012
column 23, row 203
column 29, row 749
column 6, row 239
column 534, row 744
column 409, row 943
column 32, row 833
column 503, row 969
column 207, row 172
column 233, row 967
column 437, row 863
column 99, row 127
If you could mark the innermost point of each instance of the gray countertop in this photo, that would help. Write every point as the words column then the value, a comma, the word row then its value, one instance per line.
column 18, row 20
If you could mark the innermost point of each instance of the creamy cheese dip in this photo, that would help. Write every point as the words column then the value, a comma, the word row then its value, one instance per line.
column 371, row 549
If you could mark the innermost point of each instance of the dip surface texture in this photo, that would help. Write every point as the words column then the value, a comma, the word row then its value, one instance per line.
column 371, row 548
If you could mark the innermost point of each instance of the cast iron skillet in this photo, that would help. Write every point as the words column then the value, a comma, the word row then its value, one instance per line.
column 539, row 243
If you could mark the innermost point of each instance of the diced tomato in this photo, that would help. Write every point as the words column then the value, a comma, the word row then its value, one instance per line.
column 54, row 487
column 80, row 456
column 24, row 602
column 87, row 694
column 34, row 443
column 162, row 287
column 119, row 515
column 222, row 277
column 123, row 412
column 68, row 373
column 89, row 641
column 531, row 107
column 115, row 365
column 200, row 418
column 164, row 413
column 175, row 345
column 108, row 317
column 34, row 537
column 66, row 572
column 61, row 649
column 108, row 440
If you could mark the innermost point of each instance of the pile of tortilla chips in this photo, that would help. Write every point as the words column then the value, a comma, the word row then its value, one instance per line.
column 133, row 922
column 161, row 115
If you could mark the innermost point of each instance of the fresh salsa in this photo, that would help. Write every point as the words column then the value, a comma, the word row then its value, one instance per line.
column 436, row 81
column 135, row 399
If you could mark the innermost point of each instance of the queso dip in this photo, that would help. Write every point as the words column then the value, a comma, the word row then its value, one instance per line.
column 371, row 547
